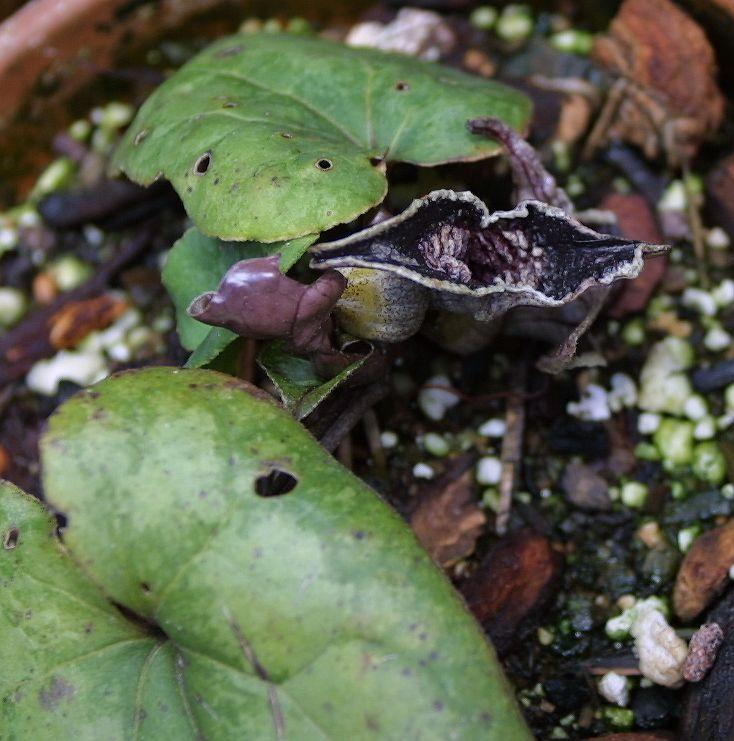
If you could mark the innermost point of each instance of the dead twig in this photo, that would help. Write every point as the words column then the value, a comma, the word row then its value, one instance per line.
column 372, row 432
column 30, row 341
column 353, row 408
column 511, row 453
column 694, row 221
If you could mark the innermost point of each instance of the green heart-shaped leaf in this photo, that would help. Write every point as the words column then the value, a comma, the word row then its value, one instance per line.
column 276, row 595
column 274, row 136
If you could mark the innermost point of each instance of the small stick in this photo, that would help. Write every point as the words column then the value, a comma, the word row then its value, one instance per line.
column 372, row 432
column 345, row 418
column 605, row 118
column 344, row 451
column 694, row 221
column 511, row 453
column 246, row 366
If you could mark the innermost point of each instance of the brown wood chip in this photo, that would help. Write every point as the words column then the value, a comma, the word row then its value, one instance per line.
column 704, row 572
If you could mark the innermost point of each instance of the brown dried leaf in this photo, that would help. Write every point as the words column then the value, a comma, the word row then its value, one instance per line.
column 673, row 102
column 704, row 572
column 634, row 216
column 512, row 584
column 720, row 189
column 448, row 520
column 74, row 321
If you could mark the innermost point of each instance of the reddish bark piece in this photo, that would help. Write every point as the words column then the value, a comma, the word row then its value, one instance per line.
column 673, row 102
column 707, row 711
column 57, row 38
column 512, row 584
column 448, row 520
column 74, row 321
column 704, row 572
column 704, row 646
column 634, row 216
column 720, row 189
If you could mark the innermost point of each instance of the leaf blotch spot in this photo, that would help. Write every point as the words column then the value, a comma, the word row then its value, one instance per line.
column 230, row 104
column 140, row 136
column 230, row 51
column 56, row 692
column 324, row 164
column 145, row 587
column 286, row 135
column 401, row 86
column 201, row 166
column 275, row 483
column 11, row 538
column 358, row 534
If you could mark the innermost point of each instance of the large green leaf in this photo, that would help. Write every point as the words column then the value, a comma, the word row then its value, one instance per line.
column 196, row 264
column 274, row 136
column 72, row 665
column 312, row 614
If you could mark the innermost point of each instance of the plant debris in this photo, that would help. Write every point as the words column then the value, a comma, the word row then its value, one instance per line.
column 704, row 571
column 447, row 519
column 668, row 100
column 511, row 586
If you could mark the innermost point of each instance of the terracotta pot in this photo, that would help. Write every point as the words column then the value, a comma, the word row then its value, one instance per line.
column 55, row 56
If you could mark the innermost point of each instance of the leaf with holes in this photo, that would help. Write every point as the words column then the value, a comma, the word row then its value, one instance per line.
column 274, row 136
column 196, row 264
column 298, row 384
column 273, row 594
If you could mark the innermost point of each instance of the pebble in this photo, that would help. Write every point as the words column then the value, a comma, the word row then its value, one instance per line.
column 717, row 238
column 435, row 444
column 654, row 707
column 614, row 688
column 623, row 392
column 82, row 368
column 660, row 650
column 435, row 402
column 724, row 293
column 714, row 377
column 717, row 339
column 423, row 471
column 648, row 422
column 388, row 439
column 13, row 305
column 705, row 429
column 695, row 407
column 489, row 470
column 593, row 405
column 702, row 650
column 493, row 428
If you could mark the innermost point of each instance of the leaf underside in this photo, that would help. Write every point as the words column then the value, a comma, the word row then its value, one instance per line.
column 300, row 388
column 272, row 136
column 311, row 614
